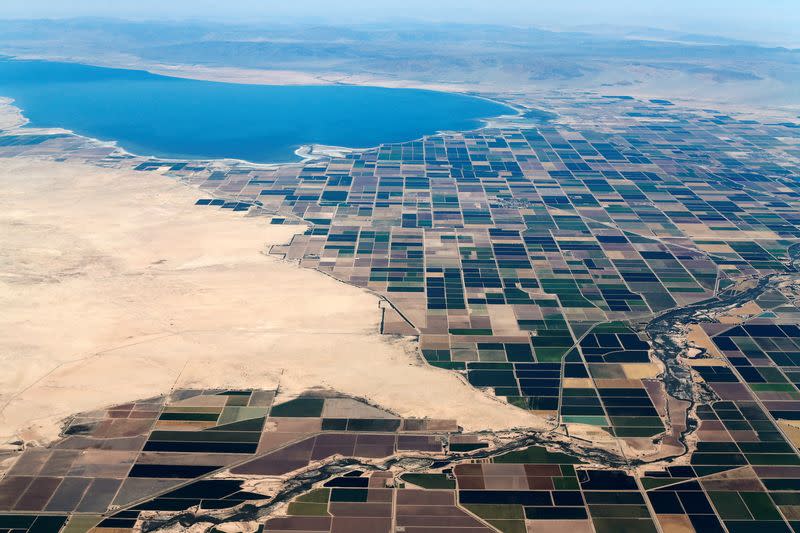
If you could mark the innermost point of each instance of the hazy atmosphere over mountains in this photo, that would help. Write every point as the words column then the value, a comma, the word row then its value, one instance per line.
column 742, row 19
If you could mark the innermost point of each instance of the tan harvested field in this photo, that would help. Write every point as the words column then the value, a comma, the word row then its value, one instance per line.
column 114, row 287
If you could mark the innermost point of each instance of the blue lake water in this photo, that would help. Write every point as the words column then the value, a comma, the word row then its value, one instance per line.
column 156, row 115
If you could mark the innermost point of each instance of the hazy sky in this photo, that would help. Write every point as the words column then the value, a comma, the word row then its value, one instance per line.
column 758, row 20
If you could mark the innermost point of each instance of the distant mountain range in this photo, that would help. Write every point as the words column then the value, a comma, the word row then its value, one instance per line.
column 645, row 60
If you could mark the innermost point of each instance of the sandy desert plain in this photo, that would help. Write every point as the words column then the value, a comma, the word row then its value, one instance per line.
column 115, row 287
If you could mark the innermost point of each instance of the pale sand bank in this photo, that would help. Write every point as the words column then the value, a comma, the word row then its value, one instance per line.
column 237, row 75
column 114, row 287
column 10, row 116
column 259, row 76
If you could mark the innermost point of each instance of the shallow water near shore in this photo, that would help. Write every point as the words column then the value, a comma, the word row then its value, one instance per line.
column 149, row 114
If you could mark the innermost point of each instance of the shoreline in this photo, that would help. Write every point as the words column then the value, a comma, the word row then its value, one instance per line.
column 306, row 152
column 263, row 76
column 11, row 117
column 8, row 112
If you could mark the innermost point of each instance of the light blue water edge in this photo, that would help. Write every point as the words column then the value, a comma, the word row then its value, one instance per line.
column 176, row 118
